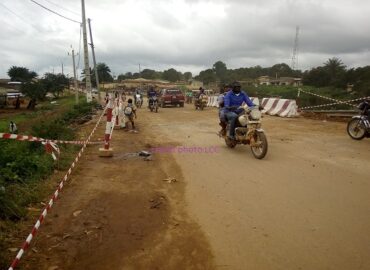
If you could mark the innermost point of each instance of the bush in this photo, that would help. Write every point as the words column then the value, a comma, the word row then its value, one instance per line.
column 24, row 164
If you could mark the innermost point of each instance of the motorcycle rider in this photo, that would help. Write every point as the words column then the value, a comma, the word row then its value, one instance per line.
column 197, row 97
column 151, row 94
column 201, row 92
column 221, row 108
column 232, row 101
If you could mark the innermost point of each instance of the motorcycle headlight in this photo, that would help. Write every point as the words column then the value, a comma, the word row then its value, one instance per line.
column 255, row 115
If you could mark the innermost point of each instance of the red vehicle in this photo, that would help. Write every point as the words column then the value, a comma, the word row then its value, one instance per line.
column 171, row 97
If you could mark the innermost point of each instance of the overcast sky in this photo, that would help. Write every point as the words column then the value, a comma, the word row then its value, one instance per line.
column 189, row 35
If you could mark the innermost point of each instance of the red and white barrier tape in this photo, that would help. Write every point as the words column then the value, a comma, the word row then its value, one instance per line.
column 347, row 102
column 29, row 138
column 37, row 225
column 336, row 103
column 52, row 148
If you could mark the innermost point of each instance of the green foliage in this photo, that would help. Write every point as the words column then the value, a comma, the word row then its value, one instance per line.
column 220, row 70
column 207, row 76
column 171, row 75
column 188, row 76
column 290, row 92
column 55, row 83
column 21, row 165
column 24, row 164
column 21, row 74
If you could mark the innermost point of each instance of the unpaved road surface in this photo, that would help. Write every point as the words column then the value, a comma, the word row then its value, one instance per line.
column 305, row 206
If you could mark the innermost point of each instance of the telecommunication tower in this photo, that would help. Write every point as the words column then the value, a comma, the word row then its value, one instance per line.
column 294, row 65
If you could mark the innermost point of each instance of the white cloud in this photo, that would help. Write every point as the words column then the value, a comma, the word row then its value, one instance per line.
column 186, row 34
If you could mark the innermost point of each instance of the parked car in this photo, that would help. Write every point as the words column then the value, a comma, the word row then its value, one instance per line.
column 171, row 97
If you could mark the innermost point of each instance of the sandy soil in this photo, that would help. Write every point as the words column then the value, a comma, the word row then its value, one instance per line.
column 305, row 206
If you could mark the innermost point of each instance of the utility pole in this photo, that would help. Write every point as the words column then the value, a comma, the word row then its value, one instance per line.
column 74, row 75
column 93, row 54
column 86, row 55
column 62, row 68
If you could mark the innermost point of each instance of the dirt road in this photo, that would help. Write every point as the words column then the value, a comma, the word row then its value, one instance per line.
column 305, row 206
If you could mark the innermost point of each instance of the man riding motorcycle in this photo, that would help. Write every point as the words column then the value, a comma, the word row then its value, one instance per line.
column 199, row 99
column 232, row 101
column 151, row 94
column 221, row 108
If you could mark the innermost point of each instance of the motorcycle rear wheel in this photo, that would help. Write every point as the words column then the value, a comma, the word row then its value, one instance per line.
column 355, row 129
column 260, row 151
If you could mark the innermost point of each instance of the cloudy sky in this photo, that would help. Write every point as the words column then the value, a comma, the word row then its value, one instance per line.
column 189, row 35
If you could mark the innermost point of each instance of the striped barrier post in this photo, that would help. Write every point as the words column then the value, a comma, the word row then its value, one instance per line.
column 107, row 151
column 280, row 107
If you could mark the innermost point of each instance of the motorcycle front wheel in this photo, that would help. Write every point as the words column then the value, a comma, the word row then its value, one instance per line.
column 259, row 149
column 356, row 129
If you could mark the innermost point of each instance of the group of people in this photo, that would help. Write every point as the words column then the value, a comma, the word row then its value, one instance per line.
column 230, row 99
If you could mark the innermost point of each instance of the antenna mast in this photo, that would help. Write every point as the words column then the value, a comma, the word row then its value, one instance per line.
column 294, row 65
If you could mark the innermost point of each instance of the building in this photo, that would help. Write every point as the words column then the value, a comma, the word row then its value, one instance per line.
column 267, row 80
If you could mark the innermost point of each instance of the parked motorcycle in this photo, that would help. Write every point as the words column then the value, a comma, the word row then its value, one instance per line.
column 201, row 102
column 248, row 131
column 153, row 104
column 359, row 126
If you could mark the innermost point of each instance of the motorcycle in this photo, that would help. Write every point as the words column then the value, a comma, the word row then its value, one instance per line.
column 248, row 131
column 201, row 102
column 359, row 126
column 139, row 102
column 153, row 104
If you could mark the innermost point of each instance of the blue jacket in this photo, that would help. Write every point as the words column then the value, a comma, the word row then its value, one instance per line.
column 152, row 93
column 232, row 100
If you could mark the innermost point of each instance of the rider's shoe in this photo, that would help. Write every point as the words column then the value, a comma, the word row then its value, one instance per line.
column 232, row 138
column 222, row 133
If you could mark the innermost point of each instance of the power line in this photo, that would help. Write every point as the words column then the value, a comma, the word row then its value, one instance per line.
column 15, row 14
column 63, row 8
column 52, row 11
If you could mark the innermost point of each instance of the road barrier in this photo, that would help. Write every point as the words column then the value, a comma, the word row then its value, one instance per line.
column 280, row 107
column 42, row 217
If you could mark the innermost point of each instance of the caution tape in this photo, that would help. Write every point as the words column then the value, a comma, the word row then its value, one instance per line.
column 30, row 138
column 52, row 148
column 37, row 225
column 336, row 103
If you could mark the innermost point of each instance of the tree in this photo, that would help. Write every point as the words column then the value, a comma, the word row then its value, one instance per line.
column 336, row 71
column 318, row 77
column 55, row 83
column 35, row 91
column 21, row 74
column 171, row 75
column 220, row 70
column 188, row 76
column 207, row 76
column 103, row 73
column 149, row 74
